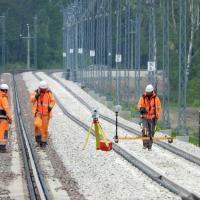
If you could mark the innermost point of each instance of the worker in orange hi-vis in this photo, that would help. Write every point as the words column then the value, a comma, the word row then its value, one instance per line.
column 5, row 116
column 149, row 107
column 43, row 102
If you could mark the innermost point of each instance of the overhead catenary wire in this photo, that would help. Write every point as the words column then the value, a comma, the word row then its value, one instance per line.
column 111, row 28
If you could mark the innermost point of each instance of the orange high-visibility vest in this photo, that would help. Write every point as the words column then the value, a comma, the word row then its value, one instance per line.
column 152, row 106
column 40, row 105
column 4, row 106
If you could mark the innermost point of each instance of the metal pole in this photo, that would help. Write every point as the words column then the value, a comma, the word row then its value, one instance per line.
column 97, row 48
column 137, row 52
column 199, row 128
column 35, row 41
column 182, row 105
column 152, row 41
column 165, row 115
column 125, row 54
column 81, row 43
column 101, row 48
column 3, row 41
column 28, row 48
column 116, row 125
column 118, row 48
column 129, row 52
column 64, row 45
column 76, row 51
column 109, row 52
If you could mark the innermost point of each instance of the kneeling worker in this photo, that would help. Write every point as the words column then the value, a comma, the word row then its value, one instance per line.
column 43, row 102
column 149, row 107
column 5, row 116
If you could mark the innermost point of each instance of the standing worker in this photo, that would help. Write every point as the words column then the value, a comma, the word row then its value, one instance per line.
column 43, row 102
column 149, row 107
column 5, row 116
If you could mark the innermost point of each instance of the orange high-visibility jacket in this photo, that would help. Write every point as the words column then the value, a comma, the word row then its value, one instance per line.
column 152, row 106
column 4, row 106
column 40, row 105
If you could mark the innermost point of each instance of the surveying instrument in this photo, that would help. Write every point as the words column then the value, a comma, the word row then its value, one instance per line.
column 146, row 137
column 117, row 110
column 104, row 144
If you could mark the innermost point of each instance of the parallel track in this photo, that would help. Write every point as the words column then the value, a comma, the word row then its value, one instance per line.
column 131, row 130
column 160, row 179
column 35, row 181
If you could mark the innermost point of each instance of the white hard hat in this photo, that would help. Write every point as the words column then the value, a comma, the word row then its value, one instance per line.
column 4, row 87
column 43, row 85
column 149, row 88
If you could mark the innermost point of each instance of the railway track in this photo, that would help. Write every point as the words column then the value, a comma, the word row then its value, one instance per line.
column 154, row 175
column 35, row 181
column 131, row 130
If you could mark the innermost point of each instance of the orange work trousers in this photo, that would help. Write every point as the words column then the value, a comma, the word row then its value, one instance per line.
column 4, row 126
column 43, row 130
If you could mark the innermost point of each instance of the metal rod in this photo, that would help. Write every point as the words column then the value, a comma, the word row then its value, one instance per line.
column 199, row 128
column 35, row 41
column 3, row 40
column 28, row 47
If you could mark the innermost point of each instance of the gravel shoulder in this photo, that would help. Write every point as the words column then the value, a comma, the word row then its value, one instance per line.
column 59, row 180
column 187, row 147
column 166, row 163
column 100, row 175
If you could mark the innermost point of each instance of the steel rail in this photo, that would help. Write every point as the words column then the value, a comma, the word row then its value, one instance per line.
column 150, row 172
column 131, row 130
column 35, row 180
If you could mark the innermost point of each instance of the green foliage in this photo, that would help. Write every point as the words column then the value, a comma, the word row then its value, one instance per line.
column 193, row 140
column 20, row 13
column 16, row 66
column 173, row 134
column 194, row 91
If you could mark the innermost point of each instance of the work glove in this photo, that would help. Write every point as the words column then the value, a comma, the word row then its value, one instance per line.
column 49, row 108
column 142, row 110
column 9, row 118
column 37, row 94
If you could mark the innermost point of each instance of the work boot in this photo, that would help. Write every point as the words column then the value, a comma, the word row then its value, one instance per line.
column 43, row 144
column 38, row 138
column 2, row 148
column 149, row 149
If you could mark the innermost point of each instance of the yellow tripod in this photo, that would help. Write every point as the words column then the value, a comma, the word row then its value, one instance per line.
column 98, row 130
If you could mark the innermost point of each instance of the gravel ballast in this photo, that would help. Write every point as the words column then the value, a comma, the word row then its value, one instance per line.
column 187, row 147
column 166, row 163
column 100, row 175
column 59, row 181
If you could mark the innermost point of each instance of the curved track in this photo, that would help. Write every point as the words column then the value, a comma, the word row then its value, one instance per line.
column 35, row 180
column 162, row 180
column 164, row 145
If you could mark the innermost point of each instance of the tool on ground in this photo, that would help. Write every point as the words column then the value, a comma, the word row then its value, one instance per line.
column 117, row 110
column 146, row 138
column 117, row 138
column 104, row 144
column 169, row 138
